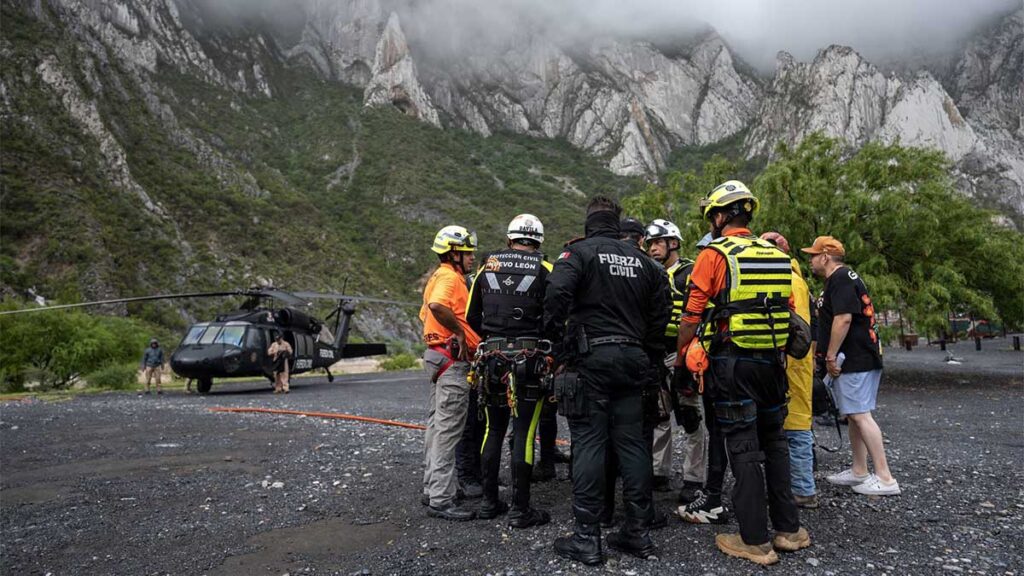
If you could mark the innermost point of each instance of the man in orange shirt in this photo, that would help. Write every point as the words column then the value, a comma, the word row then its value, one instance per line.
column 749, row 281
column 450, row 344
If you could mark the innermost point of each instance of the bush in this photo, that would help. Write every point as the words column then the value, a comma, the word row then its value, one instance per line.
column 53, row 348
column 114, row 377
column 401, row 361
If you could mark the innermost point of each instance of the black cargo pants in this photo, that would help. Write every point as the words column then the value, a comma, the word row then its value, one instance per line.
column 748, row 391
column 614, row 376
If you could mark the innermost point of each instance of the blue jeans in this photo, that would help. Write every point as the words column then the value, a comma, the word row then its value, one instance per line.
column 801, row 461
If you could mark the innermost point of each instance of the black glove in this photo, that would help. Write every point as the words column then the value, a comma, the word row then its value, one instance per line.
column 682, row 383
column 691, row 418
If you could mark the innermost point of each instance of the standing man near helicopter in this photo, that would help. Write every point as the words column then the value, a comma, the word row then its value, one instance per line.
column 506, row 309
column 450, row 344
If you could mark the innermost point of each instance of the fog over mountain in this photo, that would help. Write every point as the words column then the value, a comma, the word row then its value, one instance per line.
column 880, row 30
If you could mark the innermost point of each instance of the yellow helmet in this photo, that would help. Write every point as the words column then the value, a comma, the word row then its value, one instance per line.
column 454, row 238
column 726, row 194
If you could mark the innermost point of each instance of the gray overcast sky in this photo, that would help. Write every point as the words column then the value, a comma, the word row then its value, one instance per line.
column 879, row 29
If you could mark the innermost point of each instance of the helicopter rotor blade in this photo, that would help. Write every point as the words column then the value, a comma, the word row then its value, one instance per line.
column 336, row 296
column 120, row 300
column 289, row 298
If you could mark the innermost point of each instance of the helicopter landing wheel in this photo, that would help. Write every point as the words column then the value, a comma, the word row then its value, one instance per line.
column 203, row 385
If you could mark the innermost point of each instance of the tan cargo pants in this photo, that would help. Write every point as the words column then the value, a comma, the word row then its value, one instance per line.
column 151, row 373
column 447, row 408
column 694, row 448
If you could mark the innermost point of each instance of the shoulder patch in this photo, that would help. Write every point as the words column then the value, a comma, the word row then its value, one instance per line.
column 492, row 264
column 565, row 254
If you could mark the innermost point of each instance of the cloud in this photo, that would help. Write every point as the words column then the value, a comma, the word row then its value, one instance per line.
column 880, row 29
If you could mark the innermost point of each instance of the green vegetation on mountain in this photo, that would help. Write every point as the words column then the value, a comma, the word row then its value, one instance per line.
column 307, row 188
column 921, row 247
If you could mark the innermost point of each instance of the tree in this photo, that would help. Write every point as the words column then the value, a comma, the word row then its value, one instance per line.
column 921, row 247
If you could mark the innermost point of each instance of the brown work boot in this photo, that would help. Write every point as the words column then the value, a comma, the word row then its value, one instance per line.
column 791, row 541
column 733, row 545
column 809, row 502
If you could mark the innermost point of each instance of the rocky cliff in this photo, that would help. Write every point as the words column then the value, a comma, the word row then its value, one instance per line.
column 627, row 102
column 281, row 108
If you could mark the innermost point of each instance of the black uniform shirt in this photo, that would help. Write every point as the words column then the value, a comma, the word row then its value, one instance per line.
column 609, row 288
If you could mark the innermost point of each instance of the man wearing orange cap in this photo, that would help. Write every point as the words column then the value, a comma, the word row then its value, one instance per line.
column 848, row 341
column 800, row 375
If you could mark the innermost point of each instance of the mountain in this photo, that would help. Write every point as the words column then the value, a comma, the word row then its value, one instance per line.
column 164, row 145
column 143, row 153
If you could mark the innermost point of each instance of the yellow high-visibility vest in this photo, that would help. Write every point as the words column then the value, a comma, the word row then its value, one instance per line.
column 756, row 295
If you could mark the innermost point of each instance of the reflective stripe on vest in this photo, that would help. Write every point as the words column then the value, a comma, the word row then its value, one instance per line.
column 678, row 296
column 756, row 295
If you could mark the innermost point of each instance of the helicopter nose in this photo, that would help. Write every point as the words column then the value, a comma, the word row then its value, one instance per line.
column 193, row 363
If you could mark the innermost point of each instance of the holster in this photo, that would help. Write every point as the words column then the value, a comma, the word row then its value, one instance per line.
column 494, row 390
column 570, row 393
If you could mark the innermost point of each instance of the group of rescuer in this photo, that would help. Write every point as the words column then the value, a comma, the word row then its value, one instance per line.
column 625, row 336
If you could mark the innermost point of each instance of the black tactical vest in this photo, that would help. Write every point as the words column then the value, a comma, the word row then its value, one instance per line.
column 511, row 286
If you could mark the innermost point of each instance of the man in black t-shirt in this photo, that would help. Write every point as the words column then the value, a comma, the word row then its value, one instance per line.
column 848, row 341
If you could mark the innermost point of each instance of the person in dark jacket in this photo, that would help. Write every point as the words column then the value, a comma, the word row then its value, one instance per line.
column 606, row 304
column 152, row 364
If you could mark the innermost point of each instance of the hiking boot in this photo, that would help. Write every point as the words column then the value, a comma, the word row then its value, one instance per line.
column 791, row 541
column 662, row 484
column 455, row 512
column 875, row 487
column 659, row 521
column 733, row 545
column 527, row 518
column 847, row 478
column 471, row 489
column 489, row 510
column 561, row 457
column 640, row 546
column 705, row 510
column 689, row 492
column 809, row 502
column 544, row 471
column 583, row 546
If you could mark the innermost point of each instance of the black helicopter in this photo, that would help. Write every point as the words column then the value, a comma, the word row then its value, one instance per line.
column 234, row 344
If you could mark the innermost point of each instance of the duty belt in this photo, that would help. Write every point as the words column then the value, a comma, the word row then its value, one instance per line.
column 613, row 340
column 503, row 344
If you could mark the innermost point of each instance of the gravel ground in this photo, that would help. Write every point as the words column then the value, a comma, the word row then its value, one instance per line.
column 120, row 484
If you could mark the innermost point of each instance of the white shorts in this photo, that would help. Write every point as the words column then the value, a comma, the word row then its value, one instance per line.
column 857, row 392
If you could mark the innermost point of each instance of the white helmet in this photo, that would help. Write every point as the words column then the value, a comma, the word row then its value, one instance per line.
column 526, row 227
column 663, row 229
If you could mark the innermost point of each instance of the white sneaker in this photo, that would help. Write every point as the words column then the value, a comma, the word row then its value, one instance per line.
column 847, row 478
column 875, row 487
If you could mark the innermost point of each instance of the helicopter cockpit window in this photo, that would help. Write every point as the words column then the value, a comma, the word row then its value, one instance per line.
column 194, row 333
column 231, row 335
column 210, row 334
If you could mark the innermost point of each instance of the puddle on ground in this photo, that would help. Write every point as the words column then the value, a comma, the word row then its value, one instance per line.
column 291, row 549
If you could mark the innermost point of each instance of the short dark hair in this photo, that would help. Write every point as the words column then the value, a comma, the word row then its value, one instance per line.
column 603, row 204
column 736, row 218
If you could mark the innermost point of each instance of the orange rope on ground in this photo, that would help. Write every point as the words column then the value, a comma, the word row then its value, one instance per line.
column 333, row 416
